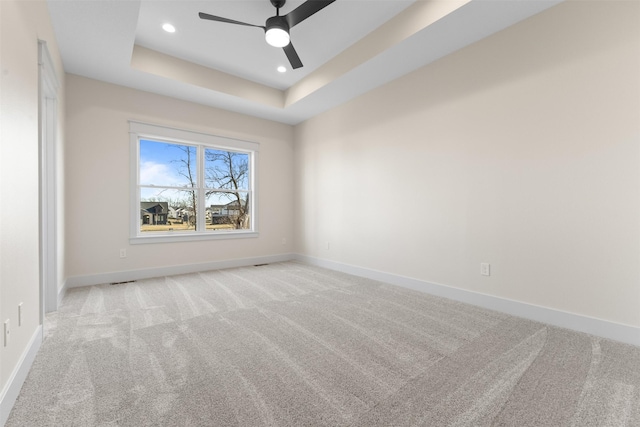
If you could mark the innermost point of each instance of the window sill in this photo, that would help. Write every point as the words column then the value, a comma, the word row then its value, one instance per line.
column 175, row 237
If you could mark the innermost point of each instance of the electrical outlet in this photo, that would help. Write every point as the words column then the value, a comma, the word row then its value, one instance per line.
column 328, row 246
column 6, row 332
column 20, row 314
column 485, row 269
column 284, row 241
column 123, row 253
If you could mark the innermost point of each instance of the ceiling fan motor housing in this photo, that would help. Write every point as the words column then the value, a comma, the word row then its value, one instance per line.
column 277, row 22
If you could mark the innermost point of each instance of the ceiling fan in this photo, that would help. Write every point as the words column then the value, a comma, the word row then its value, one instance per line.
column 277, row 27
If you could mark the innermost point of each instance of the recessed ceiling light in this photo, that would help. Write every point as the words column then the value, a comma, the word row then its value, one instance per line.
column 282, row 69
column 169, row 28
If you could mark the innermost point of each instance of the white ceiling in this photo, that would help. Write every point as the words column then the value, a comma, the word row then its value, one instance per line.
column 348, row 48
column 242, row 51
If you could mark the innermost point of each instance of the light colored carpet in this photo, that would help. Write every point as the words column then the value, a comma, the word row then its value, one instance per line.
column 293, row 345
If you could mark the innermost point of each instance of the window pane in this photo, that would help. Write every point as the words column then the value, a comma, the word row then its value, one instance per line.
column 167, row 165
column 226, row 170
column 228, row 211
column 165, row 209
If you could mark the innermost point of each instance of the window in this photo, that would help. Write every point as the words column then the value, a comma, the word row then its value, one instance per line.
column 190, row 186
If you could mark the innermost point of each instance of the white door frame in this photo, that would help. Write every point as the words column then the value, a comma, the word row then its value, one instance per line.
column 48, row 112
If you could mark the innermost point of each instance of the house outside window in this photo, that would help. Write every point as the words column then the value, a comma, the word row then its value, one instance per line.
column 154, row 213
column 190, row 186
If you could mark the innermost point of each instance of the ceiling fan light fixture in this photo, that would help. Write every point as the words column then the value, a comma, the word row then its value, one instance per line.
column 277, row 31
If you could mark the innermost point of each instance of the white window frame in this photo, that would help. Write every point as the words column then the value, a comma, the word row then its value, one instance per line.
column 140, row 130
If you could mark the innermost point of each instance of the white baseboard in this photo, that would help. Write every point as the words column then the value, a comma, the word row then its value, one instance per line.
column 18, row 376
column 147, row 273
column 602, row 328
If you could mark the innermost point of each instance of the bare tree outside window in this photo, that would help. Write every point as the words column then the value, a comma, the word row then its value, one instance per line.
column 186, row 168
column 227, row 183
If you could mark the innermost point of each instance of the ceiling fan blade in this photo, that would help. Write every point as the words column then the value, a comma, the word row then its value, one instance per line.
column 305, row 10
column 228, row 21
column 292, row 55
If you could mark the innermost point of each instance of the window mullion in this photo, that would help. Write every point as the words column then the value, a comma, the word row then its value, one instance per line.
column 202, row 209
